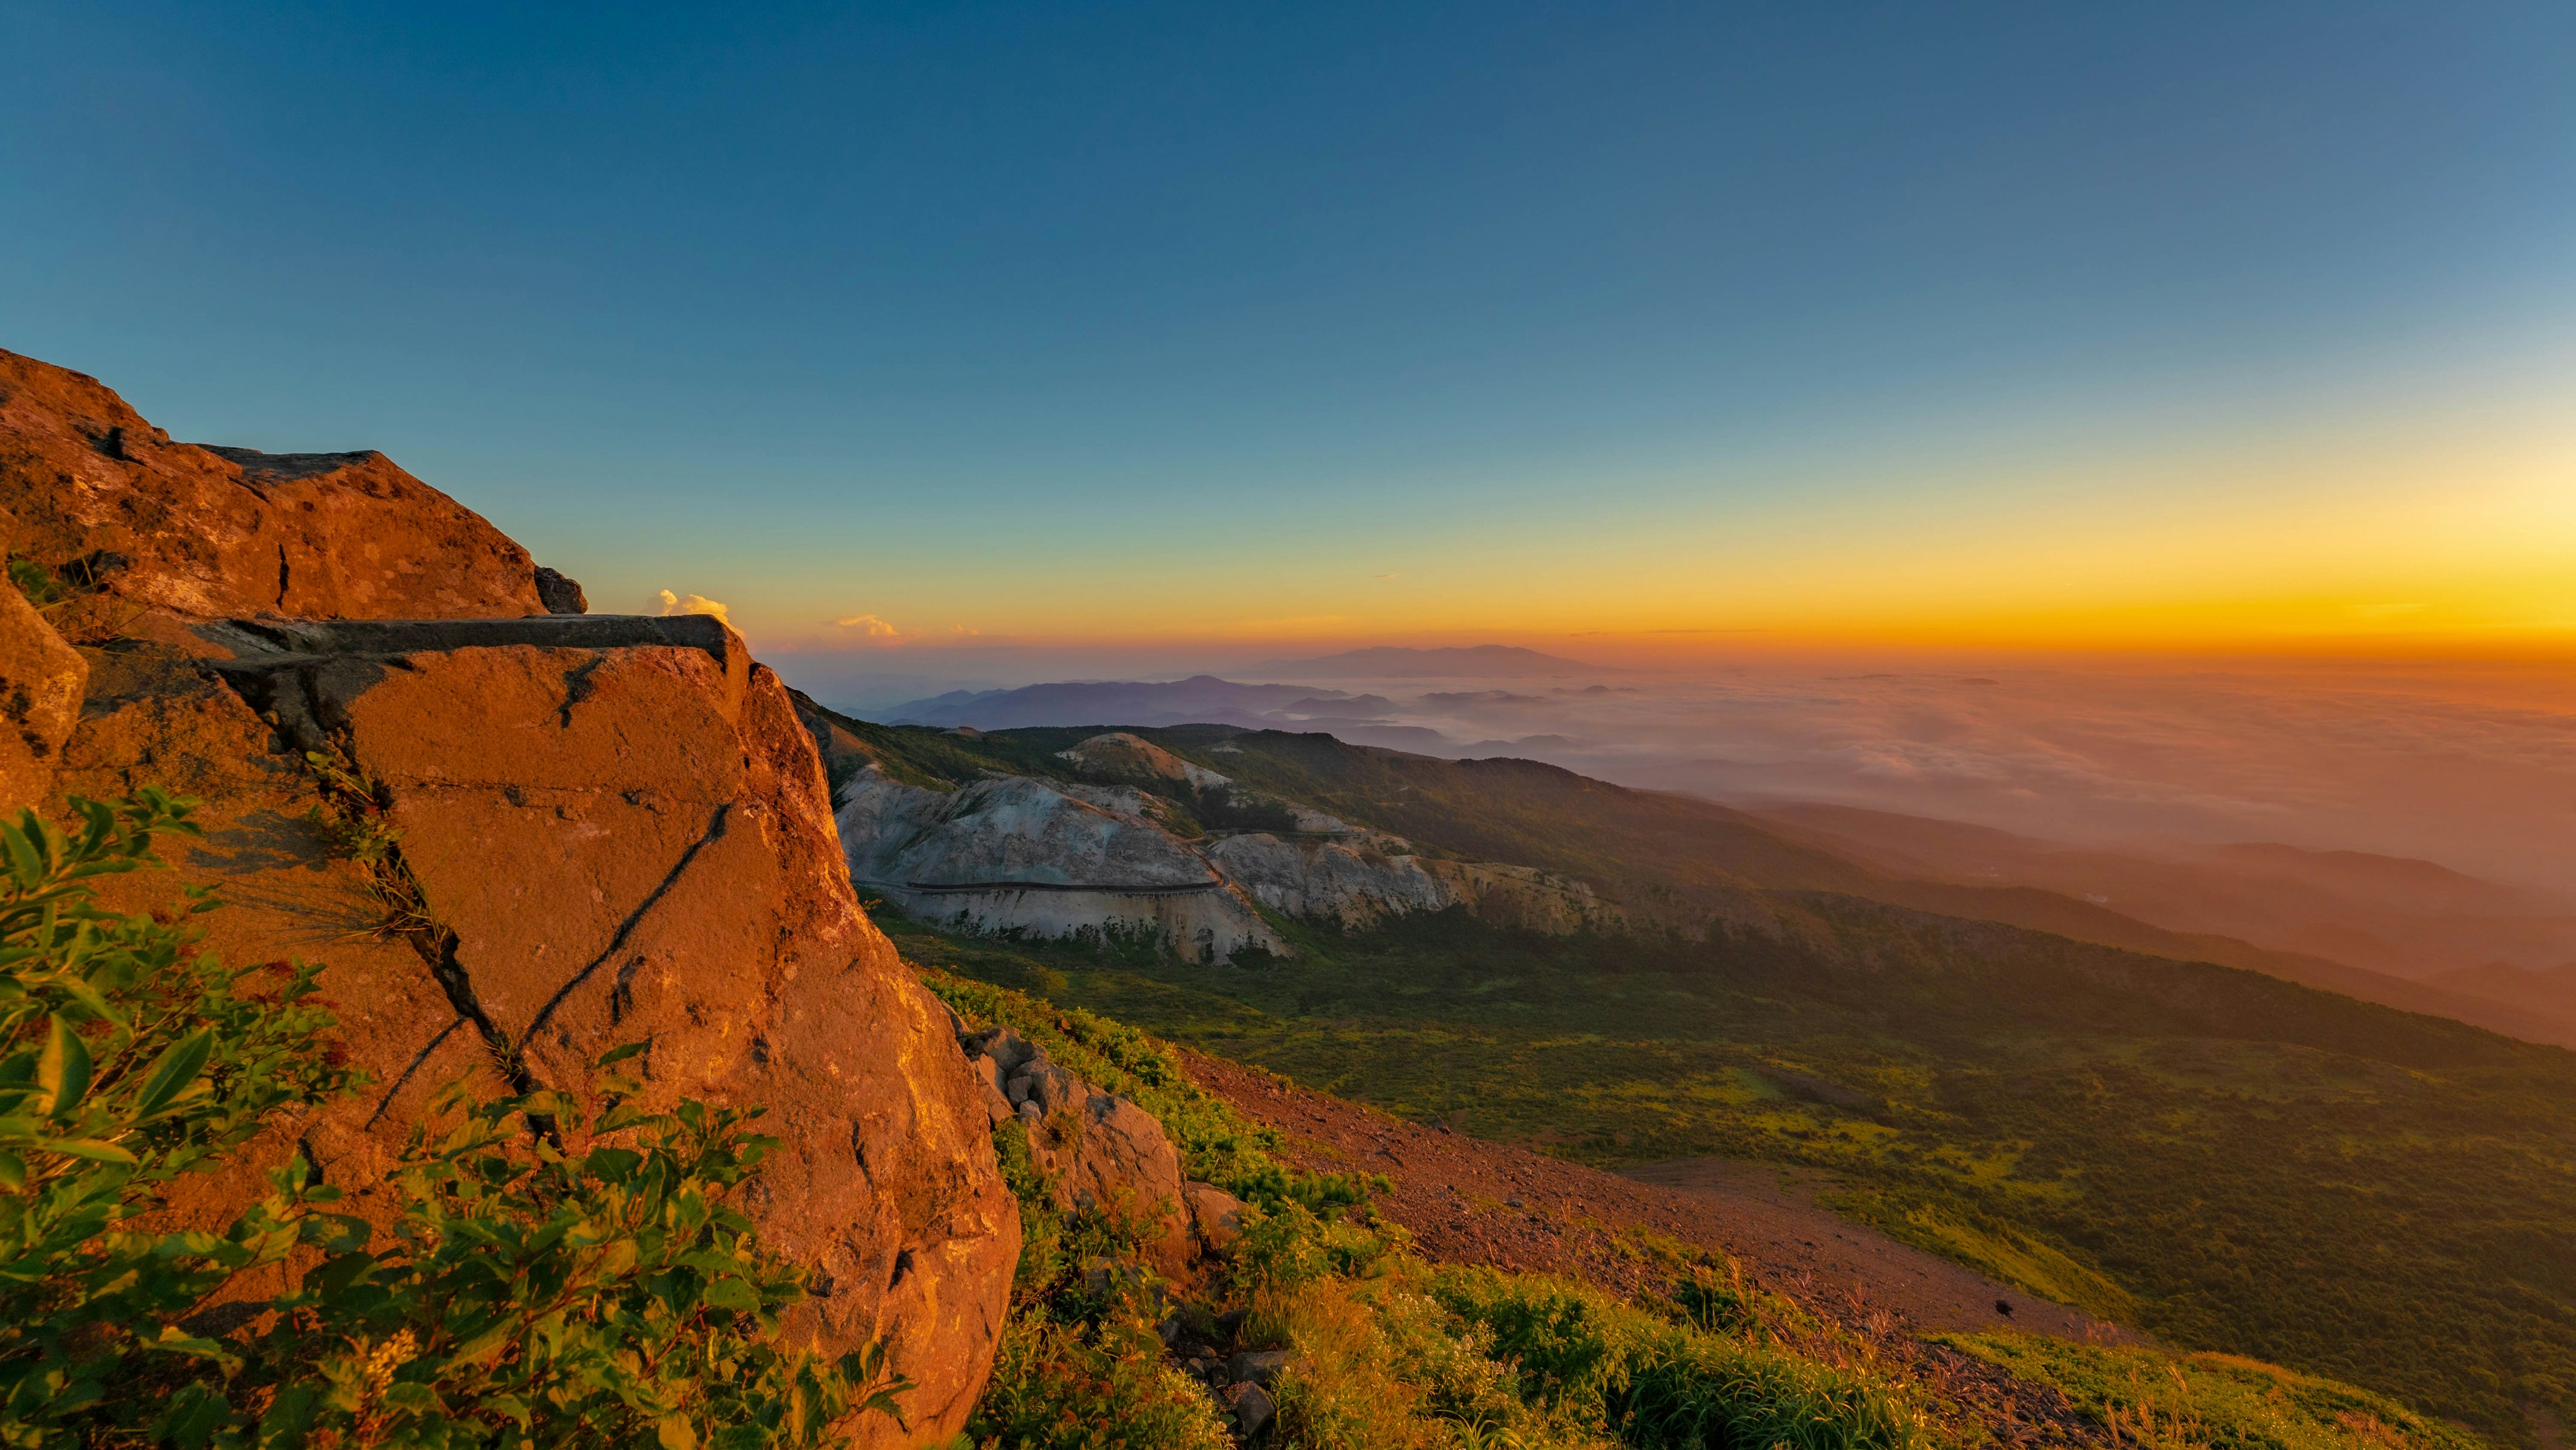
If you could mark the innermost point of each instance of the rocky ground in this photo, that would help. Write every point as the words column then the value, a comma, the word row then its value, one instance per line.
column 1470, row 1201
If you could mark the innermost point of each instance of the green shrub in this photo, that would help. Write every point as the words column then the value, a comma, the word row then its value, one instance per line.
column 1388, row 1351
column 2151, row 1398
column 530, row 1293
column 1059, row 1386
column 1654, row 1383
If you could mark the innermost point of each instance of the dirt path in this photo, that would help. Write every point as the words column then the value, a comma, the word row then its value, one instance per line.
column 1473, row 1202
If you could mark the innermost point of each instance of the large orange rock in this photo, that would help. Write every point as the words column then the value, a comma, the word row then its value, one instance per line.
column 41, row 682
column 107, row 500
column 627, row 833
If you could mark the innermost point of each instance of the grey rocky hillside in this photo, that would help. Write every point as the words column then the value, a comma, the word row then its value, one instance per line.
column 1120, row 836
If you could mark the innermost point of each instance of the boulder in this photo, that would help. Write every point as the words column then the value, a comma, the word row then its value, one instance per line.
column 560, row 594
column 1053, row 1089
column 988, row 1086
column 1121, row 1161
column 1258, row 1366
column 621, row 835
column 41, row 683
column 1216, row 1218
column 1101, row 1150
column 1251, row 1407
column 1007, row 1050
column 106, row 499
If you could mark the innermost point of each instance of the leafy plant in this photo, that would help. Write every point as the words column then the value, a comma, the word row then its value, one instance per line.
column 130, row 1060
column 546, row 1279
column 535, row 1296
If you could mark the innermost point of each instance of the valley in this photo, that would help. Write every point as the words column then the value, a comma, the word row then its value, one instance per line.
column 2221, row 1157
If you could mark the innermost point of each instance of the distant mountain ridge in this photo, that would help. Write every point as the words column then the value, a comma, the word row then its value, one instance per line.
column 1198, row 699
column 1483, row 661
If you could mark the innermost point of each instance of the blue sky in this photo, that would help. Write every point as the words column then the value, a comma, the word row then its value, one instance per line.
column 1066, row 320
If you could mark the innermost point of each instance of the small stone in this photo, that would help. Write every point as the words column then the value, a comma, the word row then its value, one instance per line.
column 559, row 593
column 1252, row 1408
column 1257, row 1366
column 1008, row 1049
column 1216, row 1216
column 988, row 1087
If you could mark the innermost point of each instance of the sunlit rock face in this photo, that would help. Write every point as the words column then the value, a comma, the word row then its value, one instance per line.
column 96, row 493
column 613, row 830
column 619, row 841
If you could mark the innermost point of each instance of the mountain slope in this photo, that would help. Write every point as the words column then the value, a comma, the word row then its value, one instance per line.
column 2403, row 918
column 1667, row 860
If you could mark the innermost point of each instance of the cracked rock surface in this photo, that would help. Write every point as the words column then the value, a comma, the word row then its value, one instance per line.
column 622, row 842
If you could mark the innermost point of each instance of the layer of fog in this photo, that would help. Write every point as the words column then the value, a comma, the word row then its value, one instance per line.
column 2473, row 768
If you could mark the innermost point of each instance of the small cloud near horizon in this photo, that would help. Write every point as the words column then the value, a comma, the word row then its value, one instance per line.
column 671, row 604
column 869, row 625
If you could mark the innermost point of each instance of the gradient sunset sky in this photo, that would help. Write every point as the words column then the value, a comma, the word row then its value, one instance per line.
column 1643, row 328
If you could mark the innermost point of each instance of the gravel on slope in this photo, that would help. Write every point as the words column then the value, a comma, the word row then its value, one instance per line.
column 1469, row 1201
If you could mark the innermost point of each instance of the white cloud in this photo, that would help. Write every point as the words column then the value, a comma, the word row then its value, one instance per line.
column 868, row 625
column 670, row 604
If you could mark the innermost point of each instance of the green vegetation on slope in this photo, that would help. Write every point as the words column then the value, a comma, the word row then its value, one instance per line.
column 2232, row 1162
column 1387, row 1350
column 2177, row 1402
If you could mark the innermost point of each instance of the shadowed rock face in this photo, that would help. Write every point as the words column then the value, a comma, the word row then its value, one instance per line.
column 623, row 835
column 212, row 532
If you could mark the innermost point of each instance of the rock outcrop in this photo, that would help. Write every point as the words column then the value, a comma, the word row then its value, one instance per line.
column 107, row 500
column 1018, row 854
column 612, row 830
column 1119, row 753
column 41, row 682
column 1353, row 883
column 605, row 830
column 1070, row 858
column 1527, row 897
column 1102, row 1152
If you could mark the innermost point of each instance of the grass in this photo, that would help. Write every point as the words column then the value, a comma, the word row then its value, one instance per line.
column 1387, row 1349
column 2362, row 1195
column 2175, row 1402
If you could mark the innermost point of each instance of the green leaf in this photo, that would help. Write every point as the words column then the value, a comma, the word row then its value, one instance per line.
column 676, row 1433
column 175, row 1069
column 731, row 1293
column 62, row 1072
column 24, row 860
column 484, row 1345
column 617, row 1055
column 196, row 1411
column 90, row 1148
